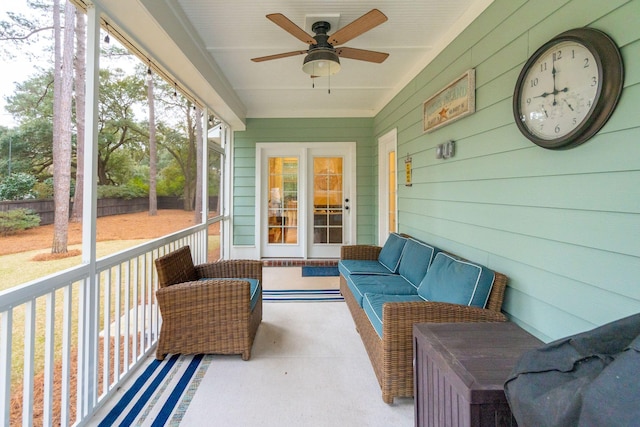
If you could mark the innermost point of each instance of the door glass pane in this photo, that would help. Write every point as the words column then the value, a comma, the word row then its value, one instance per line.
column 392, row 192
column 282, row 202
column 327, row 200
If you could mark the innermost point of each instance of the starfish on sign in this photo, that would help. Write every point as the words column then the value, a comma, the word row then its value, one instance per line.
column 443, row 114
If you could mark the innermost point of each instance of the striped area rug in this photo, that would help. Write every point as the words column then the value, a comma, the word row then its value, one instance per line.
column 302, row 295
column 162, row 394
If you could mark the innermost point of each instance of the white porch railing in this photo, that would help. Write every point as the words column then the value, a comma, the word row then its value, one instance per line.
column 86, row 329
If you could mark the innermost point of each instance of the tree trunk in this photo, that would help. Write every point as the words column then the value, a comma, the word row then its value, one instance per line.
column 189, row 164
column 153, row 155
column 199, row 153
column 63, row 84
column 80, row 68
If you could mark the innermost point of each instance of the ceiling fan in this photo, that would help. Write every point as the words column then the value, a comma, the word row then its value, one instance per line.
column 322, row 55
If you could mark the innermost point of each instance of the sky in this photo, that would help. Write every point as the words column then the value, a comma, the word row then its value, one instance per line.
column 14, row 70
column 21, row 68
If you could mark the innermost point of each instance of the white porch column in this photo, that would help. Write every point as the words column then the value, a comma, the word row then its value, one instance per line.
column 88, row 327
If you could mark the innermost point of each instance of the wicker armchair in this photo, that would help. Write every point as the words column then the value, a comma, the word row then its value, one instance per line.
column 392, row 356
column 207, row 316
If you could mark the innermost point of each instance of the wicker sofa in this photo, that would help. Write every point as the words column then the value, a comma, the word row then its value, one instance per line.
column 390, row 347
column 212, row 308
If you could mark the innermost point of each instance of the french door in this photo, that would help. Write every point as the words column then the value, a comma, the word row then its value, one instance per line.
column 304, row 200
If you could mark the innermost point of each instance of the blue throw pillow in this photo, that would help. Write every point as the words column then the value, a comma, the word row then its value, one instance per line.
column 391, row 252
column 415, row 261
column 457, row 281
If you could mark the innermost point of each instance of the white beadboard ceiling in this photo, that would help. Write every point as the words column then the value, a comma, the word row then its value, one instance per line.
column 233, row 32
column 206, row 46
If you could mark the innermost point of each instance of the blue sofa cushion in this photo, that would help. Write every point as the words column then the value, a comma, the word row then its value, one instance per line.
column 388, row 285
column 392, row 251
column 373, row 303
column 357, row 266
column 415, row 261
column 457, row 281
column 254, row 287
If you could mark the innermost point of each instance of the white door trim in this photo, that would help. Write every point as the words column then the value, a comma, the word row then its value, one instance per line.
column 386, row 143
column 302, row 150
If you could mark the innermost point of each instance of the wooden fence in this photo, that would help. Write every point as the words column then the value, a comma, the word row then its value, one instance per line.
column 106, row 207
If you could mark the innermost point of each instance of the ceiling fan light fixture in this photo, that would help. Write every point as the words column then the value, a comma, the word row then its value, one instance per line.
column 321, row 62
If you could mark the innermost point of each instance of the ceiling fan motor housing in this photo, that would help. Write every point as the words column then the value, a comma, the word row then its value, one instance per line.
column 322, row 59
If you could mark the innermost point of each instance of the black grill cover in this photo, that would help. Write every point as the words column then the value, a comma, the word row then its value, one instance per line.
column 589, row 379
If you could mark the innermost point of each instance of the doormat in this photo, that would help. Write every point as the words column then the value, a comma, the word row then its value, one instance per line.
column 302, row 295
column 319, row 271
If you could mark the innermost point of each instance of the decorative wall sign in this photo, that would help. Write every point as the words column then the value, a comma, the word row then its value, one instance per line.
column 456, row 100
column 407, row 170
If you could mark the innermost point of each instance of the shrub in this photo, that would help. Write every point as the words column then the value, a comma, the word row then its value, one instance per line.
column 17, row 220
column 120, row 192
column 43, row 190
column 17, row 186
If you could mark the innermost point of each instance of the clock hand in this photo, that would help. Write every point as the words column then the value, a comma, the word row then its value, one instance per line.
column 553, row 73
column 544, row 111
column 568, row 105
column 554, row 93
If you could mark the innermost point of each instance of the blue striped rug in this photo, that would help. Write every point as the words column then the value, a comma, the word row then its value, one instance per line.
column 162, row 394
column 302, row 295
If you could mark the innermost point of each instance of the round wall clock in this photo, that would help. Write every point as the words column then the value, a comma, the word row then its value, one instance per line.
column 568, row 88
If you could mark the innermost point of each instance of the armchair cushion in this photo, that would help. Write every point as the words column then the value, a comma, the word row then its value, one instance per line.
column 392, row 251
column 457, row 281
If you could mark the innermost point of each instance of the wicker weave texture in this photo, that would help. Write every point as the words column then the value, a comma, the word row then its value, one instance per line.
column 206, row 316
column 392, row 356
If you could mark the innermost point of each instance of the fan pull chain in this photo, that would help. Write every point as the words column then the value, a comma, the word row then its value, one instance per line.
column 329, row 91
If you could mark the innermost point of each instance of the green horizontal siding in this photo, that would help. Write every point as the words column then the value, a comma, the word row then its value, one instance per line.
column 563, row 225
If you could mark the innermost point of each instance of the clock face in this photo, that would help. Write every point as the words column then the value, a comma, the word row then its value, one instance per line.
column 568, row 88
column 559, row 90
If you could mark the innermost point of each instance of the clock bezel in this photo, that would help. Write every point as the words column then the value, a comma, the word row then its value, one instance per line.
column 610, row 82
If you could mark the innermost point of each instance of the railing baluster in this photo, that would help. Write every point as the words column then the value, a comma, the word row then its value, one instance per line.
column 143, row 302
column 117, row 333
column 81, row 367
column 127, row 310
column 49, row 358
column 136, row 283
column 106, row 339
column 66, row 355
column 29, row 360
column 6, row 338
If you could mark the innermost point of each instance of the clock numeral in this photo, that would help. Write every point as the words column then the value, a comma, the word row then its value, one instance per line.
column 557, row 129
column 528, row 101
column 557, row 56
column 586, row 63
column 534, row 82
column 543, row 67
column 594, row 81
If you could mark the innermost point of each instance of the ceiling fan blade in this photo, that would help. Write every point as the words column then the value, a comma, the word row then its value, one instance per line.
column 286, row 24
column 361, row 54
column 278, row 56
column 369, row 20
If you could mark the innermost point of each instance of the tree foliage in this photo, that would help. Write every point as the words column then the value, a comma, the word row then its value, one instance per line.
column 17, row 186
